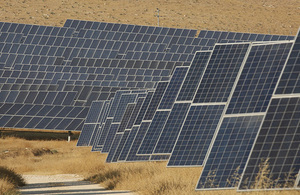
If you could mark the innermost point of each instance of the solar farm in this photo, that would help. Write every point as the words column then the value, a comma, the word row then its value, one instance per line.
column 225, row 101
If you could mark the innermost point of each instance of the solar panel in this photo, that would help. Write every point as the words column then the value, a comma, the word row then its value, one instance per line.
column 97, row 133
column 124, row 101
column 114, row 146
column 136, row 111
column 252, row 92
column 86, row 133
column 128, row 143
column 221, row 72
column 171, row 129
column 196, row 134
column 258, row 78
column 139, row 134
column 233, row 141
column 153, row 133
column 121, row 144
column 276, row 148
column 173, row 88
column 90, row 123
column 159, row 91
column 193, row 76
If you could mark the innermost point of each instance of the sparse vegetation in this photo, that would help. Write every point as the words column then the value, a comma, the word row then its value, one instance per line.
column 256, row 16
column 150, row 178
column 9, row 180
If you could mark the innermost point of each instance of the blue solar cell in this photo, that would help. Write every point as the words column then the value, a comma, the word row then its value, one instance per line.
column 121, row 145
column 94, row 112
column 276, row 148
column 124, row 101
column 144, row 108
column 258, row 78
column 290, row 81
column 229, row 152
column 126, row 116
column 127, row 143
column 135, row 112
column 148, row 144
column 160, row 89
column 138, row 134
column 85, row 135
column 173, row 88
column 221, row 73
column 115, row 103
column 110, row 137
column 114, row 147
column 194, row 76
column 171, row 129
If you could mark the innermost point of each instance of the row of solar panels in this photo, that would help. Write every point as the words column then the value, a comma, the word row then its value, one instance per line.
column 233, row 110
column 27, row 50
column 160, row 124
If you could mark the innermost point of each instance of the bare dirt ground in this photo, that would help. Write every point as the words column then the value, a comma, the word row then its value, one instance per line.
column 256, row 16
column 63, row 184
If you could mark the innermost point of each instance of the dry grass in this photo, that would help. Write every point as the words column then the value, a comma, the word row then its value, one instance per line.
column 9, row 181
column 143, row 177
column 256, row 16
column 7, row 188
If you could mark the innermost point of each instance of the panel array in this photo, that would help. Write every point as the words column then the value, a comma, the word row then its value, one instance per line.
column 227, row 101
column 276, row 148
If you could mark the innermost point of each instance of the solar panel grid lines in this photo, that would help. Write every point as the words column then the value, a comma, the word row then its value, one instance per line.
column 110, row 137
column 266, row 50
column 124, row 100
column 213, row 86
column 195, row 135
column 155, row 157
column 120, row 147
column 98, row 131
column 28, row 29
column 259, row 77
column 128, row 28
column 276, row 145
column 138, row 135
column 220, row 170
column 86, row 134
column 206, row 72
column 126, row 116
column 155, row 100
column 289, row 79
column 193, row 76
column 105, row 128
column 136, row 111
column 114, row 146
column 173, row 87
column 152, row 134
column 224, row 35
column 91, row 121
column 169, row 133
column 273, row 148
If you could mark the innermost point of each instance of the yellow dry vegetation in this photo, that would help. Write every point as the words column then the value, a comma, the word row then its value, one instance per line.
column 6, row 187
column 65, row 158
column 256, row 16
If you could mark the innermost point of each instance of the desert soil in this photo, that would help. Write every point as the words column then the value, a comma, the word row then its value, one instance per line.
column 256, row 16
column 63, row 184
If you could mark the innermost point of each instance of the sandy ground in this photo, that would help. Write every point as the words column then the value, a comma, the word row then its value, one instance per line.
column 63, row 184
column 256, row 16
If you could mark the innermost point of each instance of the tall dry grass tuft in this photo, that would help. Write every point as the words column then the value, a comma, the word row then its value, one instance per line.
column 7, row 188
column 11, row 176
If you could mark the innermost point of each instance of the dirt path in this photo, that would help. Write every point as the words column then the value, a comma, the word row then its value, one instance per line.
column 63, row 184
